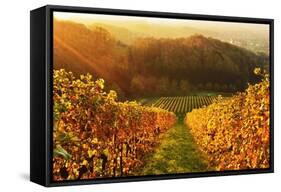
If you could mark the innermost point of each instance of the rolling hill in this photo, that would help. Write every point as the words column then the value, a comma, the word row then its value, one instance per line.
column 149, row 64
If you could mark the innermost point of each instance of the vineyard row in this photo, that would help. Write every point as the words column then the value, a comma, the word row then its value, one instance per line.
column 183, row 104
column 235, row 133
column 96, row 136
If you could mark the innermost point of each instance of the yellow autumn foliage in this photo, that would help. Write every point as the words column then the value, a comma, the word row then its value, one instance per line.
column 234, row 133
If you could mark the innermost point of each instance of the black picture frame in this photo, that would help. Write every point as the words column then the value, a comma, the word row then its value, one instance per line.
column 41, row 54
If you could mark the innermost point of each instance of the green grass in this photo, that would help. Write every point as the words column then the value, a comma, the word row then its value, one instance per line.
column 177, row 153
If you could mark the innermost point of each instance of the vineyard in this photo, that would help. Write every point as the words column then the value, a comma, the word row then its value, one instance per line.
column 180, row 105
column 234, row 133
column 96, row 136
column 146, row 99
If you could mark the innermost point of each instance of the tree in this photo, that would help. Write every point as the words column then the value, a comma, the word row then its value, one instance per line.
column 209, row 86
column 163, row 86
column 184, row 86
column 174, row 88
column 137, row 85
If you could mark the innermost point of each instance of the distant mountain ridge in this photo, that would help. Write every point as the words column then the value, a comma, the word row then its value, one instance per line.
column 255, row 40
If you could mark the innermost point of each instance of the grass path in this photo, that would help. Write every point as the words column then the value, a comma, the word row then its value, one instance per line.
column 177, row 153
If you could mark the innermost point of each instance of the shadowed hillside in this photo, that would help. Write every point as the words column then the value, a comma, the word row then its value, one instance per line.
column 154, row 66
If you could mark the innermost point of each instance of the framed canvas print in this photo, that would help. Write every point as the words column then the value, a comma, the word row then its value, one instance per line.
column 121, row 95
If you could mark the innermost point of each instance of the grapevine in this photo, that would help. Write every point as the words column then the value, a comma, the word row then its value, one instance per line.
column 96, row 136
column 234, row 133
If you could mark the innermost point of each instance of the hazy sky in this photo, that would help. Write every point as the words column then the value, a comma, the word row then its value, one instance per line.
column 86, row 19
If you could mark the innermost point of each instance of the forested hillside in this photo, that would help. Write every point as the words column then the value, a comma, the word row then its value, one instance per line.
column 154, row 66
